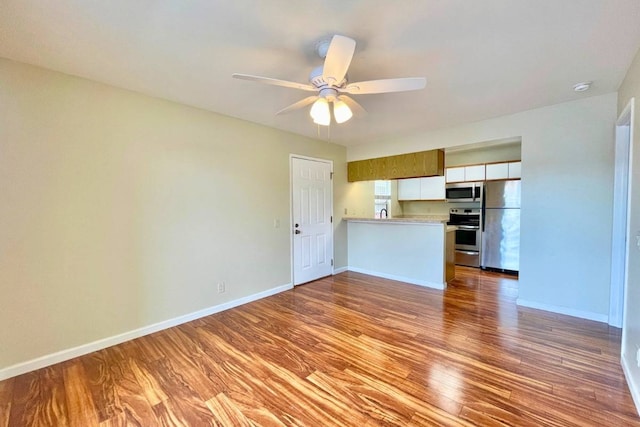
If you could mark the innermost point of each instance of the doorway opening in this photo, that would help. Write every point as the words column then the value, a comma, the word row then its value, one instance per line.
column 620, row 232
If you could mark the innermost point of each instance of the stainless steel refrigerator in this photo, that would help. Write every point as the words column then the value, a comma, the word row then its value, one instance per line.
column 501, row 226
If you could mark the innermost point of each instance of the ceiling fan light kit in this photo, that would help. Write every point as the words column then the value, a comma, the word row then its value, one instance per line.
column 341, row 111
column 331, row 84
column 320, row 112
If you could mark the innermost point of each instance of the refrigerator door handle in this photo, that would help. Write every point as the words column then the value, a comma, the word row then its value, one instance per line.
column 483, row 210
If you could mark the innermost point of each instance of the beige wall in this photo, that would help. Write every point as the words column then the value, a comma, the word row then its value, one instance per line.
column 565, row 247
column 359, row 199
column 488, row 154
column 630, row 88
column 120, row 210
column 424, row 207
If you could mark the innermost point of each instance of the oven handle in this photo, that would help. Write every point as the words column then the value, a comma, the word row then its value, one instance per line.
column 467, row 252
column 468, row 227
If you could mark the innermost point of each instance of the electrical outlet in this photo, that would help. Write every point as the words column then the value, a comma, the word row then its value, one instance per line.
column 221, row 287
column 276, row 223
column 346, row 211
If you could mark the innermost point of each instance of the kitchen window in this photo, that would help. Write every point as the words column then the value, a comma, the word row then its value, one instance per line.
column 382, row 196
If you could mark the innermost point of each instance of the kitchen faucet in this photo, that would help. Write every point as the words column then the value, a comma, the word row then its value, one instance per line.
column 386, row 214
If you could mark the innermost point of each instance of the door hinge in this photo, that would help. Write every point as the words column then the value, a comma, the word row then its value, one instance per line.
column 331, row 218
column 331, row 263
column 331, row 175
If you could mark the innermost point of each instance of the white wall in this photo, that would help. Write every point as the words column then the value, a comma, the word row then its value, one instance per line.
column 119, row 210
column 412, row 253
column 630, row 88
column 567, row 179
column 491, row 153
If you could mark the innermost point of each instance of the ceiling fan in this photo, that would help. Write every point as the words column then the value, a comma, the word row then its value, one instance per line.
column 331, row 83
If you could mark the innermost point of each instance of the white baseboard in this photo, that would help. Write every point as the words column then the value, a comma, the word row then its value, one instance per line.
column 61, row 356
column 564, row 310
column 433, row 285
column 340, row 270
column 633, row 386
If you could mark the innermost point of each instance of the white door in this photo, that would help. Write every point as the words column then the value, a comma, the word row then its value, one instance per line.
column 312, row 217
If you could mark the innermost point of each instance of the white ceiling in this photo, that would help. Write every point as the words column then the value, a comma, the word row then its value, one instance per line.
column 482, row 59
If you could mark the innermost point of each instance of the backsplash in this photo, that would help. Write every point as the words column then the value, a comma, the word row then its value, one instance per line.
column 423, row 207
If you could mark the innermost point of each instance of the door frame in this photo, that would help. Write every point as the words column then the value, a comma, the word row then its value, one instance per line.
column 621, row 221
column 291, row 251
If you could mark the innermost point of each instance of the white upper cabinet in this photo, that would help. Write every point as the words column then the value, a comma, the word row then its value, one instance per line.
column 431, row 188
column 465, row 173
column 455, row 174
column 409, row 189
column 498, row 171
column 474, row 173
column 514, row 169
column 507, row 170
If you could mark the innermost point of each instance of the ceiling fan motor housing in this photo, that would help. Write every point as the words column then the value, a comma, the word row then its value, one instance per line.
column 329, row 93
column 316, row 79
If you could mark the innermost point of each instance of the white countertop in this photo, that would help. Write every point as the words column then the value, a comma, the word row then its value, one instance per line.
column 423, row 219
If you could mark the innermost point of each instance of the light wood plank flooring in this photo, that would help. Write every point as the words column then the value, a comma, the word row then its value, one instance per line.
column 348, row 350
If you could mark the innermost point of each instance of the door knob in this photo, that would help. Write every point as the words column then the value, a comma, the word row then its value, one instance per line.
column 297, row 231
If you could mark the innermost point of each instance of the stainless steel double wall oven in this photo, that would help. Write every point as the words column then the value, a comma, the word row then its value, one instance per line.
column 468, row 235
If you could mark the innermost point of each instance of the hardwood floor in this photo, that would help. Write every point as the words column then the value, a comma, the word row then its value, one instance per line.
column 350, row 350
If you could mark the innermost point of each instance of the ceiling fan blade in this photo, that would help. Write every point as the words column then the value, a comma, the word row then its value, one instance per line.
column 338, row 59
column 302, row 103
column 385, row 85
column 275, row 82
column 357, row 109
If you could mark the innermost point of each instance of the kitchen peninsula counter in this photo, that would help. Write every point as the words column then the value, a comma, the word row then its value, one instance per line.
column 428, row 219
column 409, row 249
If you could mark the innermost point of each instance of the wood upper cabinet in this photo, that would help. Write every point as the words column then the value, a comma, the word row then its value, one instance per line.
column 424, row 163
column 366, row 170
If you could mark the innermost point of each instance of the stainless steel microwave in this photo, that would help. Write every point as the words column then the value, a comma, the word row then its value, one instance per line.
column 464, row 192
